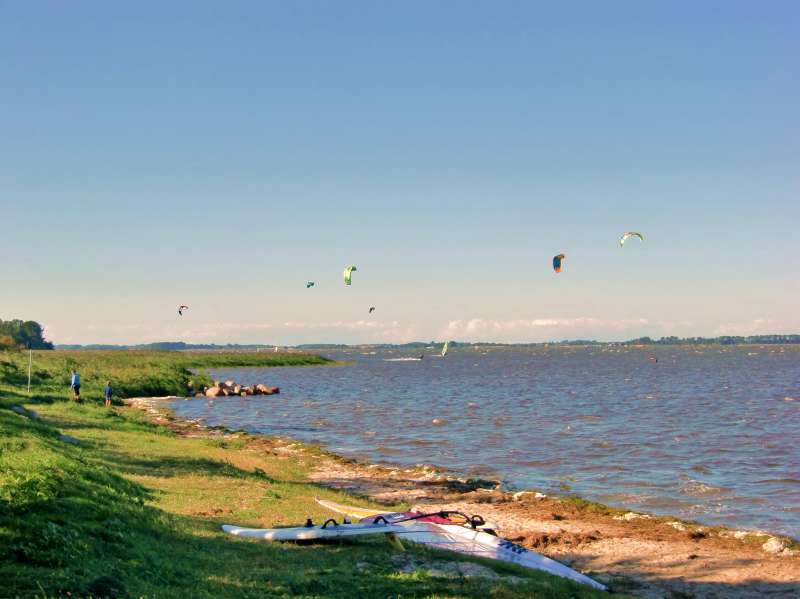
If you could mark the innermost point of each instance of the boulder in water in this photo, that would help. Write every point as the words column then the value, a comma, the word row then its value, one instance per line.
column 214, row 391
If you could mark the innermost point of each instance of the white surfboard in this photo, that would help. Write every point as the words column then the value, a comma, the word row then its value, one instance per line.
column 435, row 531
column 308, row 533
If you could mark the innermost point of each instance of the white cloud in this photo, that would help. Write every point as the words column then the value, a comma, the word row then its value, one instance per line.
column 289, row 332
column 536, row 329
column 371, row 330
column 353, row 325
column 753, row 327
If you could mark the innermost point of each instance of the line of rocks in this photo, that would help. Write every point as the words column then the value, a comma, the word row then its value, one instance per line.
column 230, row 388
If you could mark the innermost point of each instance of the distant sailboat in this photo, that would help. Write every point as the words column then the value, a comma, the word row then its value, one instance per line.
column 276, row 349
column 444, row 349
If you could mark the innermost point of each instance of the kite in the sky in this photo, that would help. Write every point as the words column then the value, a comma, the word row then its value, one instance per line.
column 181, row 308
column 371, row 309
column 310, row 284
column 557, row 262
column 348, row 274
column 628, row 235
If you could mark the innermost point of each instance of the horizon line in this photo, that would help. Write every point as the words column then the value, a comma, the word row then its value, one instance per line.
column 643, row 340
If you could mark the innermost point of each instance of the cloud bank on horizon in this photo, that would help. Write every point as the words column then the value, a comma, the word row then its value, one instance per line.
column 374, row 331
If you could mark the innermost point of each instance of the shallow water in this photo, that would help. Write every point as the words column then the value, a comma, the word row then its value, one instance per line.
column 709, row 434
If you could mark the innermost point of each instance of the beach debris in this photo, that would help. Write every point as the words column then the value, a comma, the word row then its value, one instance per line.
column 348, row 274
column 557, row 260
column 678, row 526
column 698, row 533
column 632, row 516
column 775, row 545
column 181, row 309
column 522, row 495
column 628, row 235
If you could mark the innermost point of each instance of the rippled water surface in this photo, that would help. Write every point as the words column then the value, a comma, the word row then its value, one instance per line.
column 708, row 434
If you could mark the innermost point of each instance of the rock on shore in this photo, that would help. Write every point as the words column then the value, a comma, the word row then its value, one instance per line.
column 231, row 388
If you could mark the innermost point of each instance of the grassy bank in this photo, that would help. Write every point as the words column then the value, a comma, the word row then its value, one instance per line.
column 134, row 510
column 132, row 373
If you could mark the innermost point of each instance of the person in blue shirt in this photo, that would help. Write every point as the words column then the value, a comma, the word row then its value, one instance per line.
column 75, row 385
column 107, row 393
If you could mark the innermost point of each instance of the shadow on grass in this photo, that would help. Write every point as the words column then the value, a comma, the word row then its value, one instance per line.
column 164, row 559
column 14, row 395
column 179, row 466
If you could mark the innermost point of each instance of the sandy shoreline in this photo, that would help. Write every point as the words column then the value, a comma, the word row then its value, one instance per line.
column 644, row 555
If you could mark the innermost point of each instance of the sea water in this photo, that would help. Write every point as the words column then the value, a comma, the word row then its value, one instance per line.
column 704, row 433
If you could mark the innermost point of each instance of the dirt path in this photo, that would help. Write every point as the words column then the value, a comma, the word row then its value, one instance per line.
column 646, row 556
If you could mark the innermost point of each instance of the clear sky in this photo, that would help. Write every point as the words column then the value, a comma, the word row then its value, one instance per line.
column 222, row 154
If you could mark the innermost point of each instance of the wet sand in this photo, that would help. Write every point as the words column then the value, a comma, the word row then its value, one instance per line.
column 639, row 554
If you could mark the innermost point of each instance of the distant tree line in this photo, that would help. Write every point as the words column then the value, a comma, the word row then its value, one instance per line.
column 415, row 345
column 170, row 346
column 723, row 340
column 26, row 334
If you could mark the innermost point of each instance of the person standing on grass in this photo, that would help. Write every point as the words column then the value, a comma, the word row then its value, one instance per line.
column 107, row 393
column 75, row 385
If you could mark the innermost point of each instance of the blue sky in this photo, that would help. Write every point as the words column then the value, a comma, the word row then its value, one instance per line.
column 222, row 155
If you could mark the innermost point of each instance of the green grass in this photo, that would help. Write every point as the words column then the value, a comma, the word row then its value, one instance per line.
column 132, row 373
column 135, row 511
